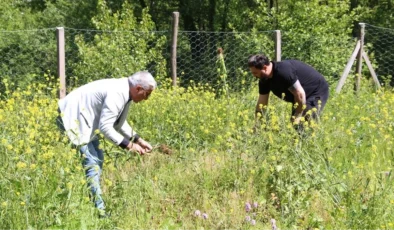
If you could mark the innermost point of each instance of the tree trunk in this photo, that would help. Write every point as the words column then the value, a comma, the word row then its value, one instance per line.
column 143, row 4
column 270, row 4
column 224, row 15
column 211, row 15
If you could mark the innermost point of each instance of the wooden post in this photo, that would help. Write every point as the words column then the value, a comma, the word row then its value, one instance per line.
column 360, row 57
column 61, row 61
column 278, row 45
column 371, row 70
column 175, row 21
column 348, row 67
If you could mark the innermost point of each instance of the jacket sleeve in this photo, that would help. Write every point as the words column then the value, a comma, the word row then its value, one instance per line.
column 127, row 131
column 112, row 108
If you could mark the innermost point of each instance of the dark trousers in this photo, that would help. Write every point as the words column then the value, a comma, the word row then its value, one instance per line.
column 316, row 101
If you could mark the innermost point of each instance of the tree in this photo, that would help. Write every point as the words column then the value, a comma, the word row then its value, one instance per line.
column 312, row 31
column 24, row 49
column 121, row 46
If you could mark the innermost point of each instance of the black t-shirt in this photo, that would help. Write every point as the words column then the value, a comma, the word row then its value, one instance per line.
column 286, row 73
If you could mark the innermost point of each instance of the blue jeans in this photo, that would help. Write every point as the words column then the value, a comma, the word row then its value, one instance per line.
column 93, row 158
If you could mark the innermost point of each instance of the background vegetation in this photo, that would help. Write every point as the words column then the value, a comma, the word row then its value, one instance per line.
column 136, row 35
column 338, row 175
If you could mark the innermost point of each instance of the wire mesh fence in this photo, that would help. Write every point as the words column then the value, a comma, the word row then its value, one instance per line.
column 97, row 54
column 379, row 42
column 327, row 54
column 217, row 58
column 27, row 56
column 94, row 54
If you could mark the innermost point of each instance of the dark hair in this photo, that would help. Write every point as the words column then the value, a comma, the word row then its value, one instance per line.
column 258, row 61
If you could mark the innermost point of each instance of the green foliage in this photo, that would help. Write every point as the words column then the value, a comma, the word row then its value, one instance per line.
column 338, row 175
column 13, row 16
column 24, row 53
column 222, row 73
column 67, row 13
column 108, row 54
column 379, row 13
column 379, row 31
column 312, row 31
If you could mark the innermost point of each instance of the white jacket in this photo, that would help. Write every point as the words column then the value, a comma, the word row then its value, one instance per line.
column 102, row 105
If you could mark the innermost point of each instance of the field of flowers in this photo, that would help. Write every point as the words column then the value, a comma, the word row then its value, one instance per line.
column 220, row 174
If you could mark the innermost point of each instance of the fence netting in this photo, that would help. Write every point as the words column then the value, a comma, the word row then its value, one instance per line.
column 97, row 54
column 326, row 54
column 27, row 56
column 218, row 58
column 379, row 43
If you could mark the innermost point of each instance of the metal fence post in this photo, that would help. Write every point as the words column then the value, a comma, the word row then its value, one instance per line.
column 61, row 61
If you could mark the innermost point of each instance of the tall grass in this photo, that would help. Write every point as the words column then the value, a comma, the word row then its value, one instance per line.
column 336, row 175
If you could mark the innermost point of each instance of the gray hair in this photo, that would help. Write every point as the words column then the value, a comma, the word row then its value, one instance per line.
column 143, row 79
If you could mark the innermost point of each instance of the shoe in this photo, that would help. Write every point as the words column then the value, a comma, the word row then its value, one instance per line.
column 103, row 214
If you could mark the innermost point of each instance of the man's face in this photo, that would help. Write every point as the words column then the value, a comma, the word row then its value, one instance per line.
column 259, row 73
column 141, row 94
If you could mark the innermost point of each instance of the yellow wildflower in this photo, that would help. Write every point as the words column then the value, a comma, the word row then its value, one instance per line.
column 21, row 165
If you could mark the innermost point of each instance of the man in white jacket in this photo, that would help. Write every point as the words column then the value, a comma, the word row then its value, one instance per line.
column 102, row 106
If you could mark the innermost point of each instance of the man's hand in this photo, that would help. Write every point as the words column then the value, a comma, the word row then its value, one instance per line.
column 145, row 145
column 296, row 120
column 134, row 147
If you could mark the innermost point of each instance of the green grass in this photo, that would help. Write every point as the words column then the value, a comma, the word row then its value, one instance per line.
column 333, row 177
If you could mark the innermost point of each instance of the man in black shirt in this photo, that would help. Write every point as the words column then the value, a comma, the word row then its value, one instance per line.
column 292, row 81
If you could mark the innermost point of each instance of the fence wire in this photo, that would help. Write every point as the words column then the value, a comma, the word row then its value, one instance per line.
column 379, row 43
column 27, row 56
column 216, row 58
column 219, row 58
column 327, row 54
column 94, row 54
column 97, row 54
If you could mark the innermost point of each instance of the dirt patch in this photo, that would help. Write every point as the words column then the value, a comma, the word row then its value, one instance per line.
column 165, row 149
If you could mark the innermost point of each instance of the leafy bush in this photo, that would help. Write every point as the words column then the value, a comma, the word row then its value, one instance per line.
column 121, row 46
column 315, row 32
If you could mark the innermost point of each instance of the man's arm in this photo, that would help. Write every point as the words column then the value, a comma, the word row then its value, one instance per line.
column 136, row 142
column 114, row 110
column 299, row 97
column 261, row 108
column 261, row 105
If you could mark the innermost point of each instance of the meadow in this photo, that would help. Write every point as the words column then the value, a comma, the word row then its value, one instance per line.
column 219, row 173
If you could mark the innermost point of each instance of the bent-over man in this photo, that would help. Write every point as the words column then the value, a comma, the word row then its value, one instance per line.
column 103, row 105
column 291, row 80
